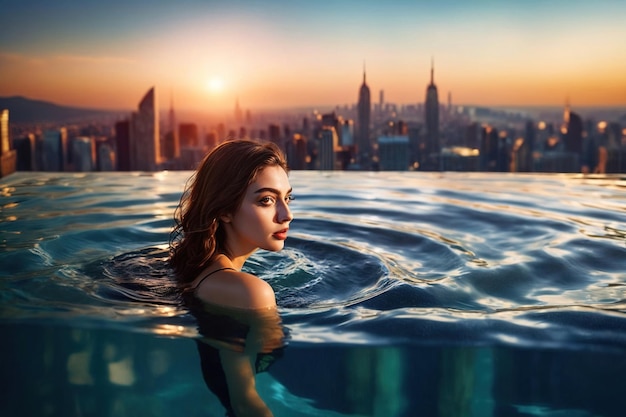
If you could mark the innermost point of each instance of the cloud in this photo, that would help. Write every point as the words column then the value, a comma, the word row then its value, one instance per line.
column 91, row 59
column 12, row 58
column 20, row 59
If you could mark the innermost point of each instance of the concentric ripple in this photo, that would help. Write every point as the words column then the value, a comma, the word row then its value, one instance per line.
column 373, row 258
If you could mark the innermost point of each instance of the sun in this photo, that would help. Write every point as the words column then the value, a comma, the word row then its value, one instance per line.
column 215, row 85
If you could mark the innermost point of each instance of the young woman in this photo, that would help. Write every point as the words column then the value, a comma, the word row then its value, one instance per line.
column 237, row 202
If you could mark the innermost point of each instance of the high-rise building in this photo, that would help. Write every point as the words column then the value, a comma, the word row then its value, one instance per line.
column 432, row 114
column 144, row 135
column 8, row 156
column 172, row 139
column 274, row 133
column 54, row 150
column 211, row 140
column 188, row 135
column 83, row 153
column 5, row 143
column 328, row 144
column 488, row 148
column 394, row 153
column 297, row 152
column 332, row 120
column 105, row 156
column 122, row 145
column 364, row 113
column 25, row 148
column 526, row 150
column 574, row 135
column 414, row 133
column 347, row 133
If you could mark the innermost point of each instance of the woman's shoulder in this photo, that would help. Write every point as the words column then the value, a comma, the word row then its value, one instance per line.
column 231, row 288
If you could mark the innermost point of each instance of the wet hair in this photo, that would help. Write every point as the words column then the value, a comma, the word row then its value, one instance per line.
column 216, row 189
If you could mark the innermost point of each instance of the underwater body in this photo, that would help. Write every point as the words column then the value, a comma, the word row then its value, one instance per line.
column 401, row 293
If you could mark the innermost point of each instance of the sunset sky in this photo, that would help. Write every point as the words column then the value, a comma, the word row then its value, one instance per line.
column 276, row 54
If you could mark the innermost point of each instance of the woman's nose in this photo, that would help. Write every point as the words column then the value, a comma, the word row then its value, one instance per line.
column 284, row 213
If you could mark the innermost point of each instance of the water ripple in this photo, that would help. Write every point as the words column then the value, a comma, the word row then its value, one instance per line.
column 376, row 258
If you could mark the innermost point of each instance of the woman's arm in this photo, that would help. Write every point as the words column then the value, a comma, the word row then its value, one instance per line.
column 240, row 376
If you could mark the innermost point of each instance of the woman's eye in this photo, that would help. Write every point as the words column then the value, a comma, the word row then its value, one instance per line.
column 266, row 201
column 289, row 199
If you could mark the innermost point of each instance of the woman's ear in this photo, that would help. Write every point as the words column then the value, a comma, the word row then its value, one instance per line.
column 227, row 218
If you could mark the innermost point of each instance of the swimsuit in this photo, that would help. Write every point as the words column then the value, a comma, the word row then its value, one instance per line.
column 229, row 327
column 211, row 273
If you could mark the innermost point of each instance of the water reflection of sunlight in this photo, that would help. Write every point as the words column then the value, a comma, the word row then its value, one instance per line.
column 173, row 330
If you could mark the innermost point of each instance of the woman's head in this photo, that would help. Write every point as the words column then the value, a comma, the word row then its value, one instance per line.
column 215, row 191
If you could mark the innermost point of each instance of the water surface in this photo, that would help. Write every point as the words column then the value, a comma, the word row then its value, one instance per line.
column 506, row 290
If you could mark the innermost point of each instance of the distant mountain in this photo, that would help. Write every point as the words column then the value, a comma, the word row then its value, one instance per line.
column 25, row 110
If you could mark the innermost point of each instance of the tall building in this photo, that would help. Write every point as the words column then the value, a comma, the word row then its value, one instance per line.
column 84, row 153
column 105, row 156
column 489, row 148
column 144, row 135
column 122, row 145
column 8, row 156
column 574, row 134
column 274, row 133
column 328, row 144
column 171, row 142
column 297, row 152
column 5, row 143
column 334, row 121
column 432, row 115
column 394, row 153
column 188, row 135
column 526, row 151
column 364, row 113
column 54, row 152
column 347, row 135
column 25, row 148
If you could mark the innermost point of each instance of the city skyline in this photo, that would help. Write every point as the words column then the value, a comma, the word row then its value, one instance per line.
column 206, row 56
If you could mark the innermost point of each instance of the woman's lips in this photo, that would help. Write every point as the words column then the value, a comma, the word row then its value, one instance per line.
column 281, row 234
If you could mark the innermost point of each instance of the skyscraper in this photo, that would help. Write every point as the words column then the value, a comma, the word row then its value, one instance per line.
column 84, row 153
column 364, row 115
column 394, row 152
column 296, row 152
column 171, row 143
column 7, row 155
column 25, row 148
column 122, row 145
column 432, row 115
column 328, row 143
column 144, row 135
column 54, row 150
column 188, row 135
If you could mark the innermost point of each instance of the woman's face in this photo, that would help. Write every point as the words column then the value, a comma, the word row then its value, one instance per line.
column 262, row 220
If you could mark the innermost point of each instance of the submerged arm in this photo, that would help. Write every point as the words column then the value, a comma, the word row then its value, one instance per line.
column 240, row 377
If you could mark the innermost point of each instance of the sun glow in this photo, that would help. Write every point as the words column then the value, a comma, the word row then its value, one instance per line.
column 215, row 85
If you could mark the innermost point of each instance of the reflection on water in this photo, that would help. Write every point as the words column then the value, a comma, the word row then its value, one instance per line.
column 101, row 372
column 403, row 294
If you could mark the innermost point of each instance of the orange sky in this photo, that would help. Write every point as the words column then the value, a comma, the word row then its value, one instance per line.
column 525, row 53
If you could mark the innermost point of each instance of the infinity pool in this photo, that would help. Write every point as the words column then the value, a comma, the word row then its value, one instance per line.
column 403, row 294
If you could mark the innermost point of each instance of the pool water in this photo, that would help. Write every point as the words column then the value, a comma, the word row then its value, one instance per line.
column 403, row 294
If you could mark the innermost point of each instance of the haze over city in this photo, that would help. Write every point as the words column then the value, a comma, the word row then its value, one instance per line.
column 206, row 55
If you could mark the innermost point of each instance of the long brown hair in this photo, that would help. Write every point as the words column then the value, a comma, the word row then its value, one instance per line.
column 216, row 189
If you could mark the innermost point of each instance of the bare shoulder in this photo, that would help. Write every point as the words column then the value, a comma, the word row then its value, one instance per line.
column 237, row 289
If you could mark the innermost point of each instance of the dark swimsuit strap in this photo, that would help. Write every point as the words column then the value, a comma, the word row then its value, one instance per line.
column 211, row 273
